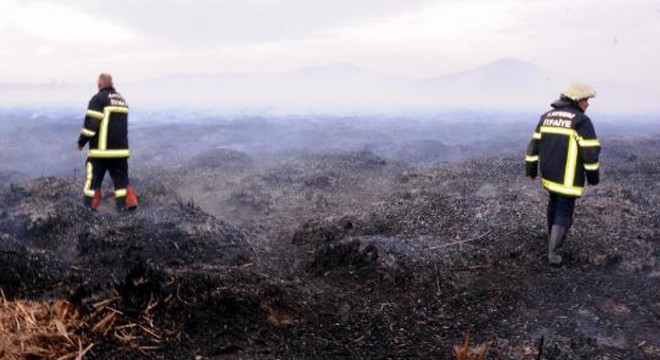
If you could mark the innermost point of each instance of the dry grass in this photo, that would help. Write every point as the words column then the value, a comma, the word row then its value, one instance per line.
column 40, row 330
column 466, row 352
column 56, row 330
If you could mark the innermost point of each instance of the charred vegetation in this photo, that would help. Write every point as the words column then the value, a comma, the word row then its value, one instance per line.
column 342, row 253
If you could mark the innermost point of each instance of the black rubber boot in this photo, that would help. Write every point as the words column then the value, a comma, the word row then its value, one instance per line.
column 555, row 241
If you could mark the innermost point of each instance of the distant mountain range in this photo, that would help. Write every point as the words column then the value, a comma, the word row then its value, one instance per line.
column 507, row 84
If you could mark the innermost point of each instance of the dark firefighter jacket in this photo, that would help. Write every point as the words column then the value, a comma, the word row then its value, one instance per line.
column 106, row 125
column 565, row 146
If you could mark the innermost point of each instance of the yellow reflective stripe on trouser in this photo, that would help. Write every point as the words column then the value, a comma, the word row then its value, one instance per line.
column 88, row 133
column 557, row 130
column 109, row 153
column 571, row 162
column 120, row 193
column 536, row 136
column 531, row 158
column 87, row 190
column 592, row 167
column 103, row 134
column 562, row 189
column 94, row 114
column 588, row 143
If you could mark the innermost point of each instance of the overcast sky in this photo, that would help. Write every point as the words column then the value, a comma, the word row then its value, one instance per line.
column 72, row 40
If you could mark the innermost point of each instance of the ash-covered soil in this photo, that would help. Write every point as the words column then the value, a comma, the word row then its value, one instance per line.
column 348, row 255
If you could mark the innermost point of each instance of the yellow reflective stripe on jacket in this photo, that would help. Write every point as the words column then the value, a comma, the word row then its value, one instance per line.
column 536, row 136
column 103, row 134
column 94, row 114
column 88, row 133
column 572, row 153
column 571, row 162
column 557, row 130
column 120, row 193
column 531, row 158
column 117, row 109
column 588, row 143
column 562, row 189
column 592, row 167
column 87, row 190
column 109, row 153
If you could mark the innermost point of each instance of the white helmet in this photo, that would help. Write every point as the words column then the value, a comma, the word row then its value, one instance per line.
column 579, row 91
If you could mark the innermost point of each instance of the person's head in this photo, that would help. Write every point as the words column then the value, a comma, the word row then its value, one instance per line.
column 104, row 80
column 580, row 93
column 583, row 104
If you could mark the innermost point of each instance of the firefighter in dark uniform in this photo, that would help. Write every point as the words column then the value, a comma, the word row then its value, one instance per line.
column 565, row 146
column 106, row 131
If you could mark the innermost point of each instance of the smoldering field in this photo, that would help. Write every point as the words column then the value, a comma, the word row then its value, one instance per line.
column 334, row 237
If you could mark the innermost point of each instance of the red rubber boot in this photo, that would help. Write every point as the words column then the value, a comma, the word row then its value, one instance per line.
column 131, row 198
column 96, row 200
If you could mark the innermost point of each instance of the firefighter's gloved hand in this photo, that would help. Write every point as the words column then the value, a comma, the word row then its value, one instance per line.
column 593, row 178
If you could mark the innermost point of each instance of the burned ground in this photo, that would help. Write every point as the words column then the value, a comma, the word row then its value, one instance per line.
column 345, row 255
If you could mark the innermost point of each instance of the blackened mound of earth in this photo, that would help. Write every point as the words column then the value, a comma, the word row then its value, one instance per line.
column 45, row 220
column 44, row 214
column 364, row 260
column 318, row 231
column 403, row 215
column 171, row 236
column 26, row 271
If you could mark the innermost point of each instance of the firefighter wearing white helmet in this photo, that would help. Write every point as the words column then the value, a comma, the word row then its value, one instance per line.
column 565, row 147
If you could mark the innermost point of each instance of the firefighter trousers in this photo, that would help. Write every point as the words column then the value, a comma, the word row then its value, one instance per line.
column 560, row 210
column 95, row 170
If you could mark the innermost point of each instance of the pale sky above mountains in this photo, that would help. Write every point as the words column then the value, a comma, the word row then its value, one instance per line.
column 72, row 40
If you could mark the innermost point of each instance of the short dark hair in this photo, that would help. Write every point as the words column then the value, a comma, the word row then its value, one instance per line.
column 105, row 79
